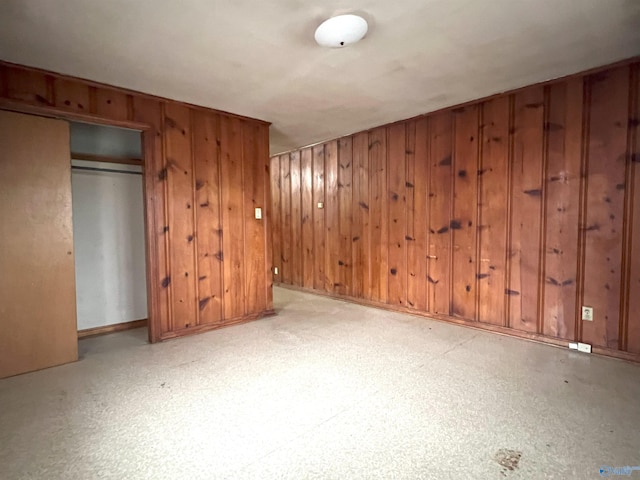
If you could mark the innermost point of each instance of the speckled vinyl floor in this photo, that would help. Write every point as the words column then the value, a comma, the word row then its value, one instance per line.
column 326, row 389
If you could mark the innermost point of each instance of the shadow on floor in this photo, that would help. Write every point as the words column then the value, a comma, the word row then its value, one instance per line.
column 112, row 341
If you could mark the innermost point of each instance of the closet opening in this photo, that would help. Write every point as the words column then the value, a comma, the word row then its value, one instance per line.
column 108, row 233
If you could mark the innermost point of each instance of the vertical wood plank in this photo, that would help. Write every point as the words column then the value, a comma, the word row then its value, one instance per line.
column 306, row 185
column 564, row 132
column 526, row 207
column 206, row 154
column 397, row 204
column 286, row 275
column 345, row 200
column 440, row 195
column 492, row 210
column 378, row 216
column 605, row 202
column 263, row 154
column 27, row 86
column 465, row 209
column 417, row 182
column 71, row 95
column 276, row 223
column 332, row 218
column 267, row 214
column 157, row 227
column 253, row 171
column 319, row 277
column 633, row 219
column 233, row 252
column 296, row 221
column 112, row 104
column 180, row 186
column 360, row 208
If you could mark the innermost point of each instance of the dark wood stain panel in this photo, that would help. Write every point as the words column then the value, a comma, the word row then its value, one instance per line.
column 30, row 86
column 562, row 217
column 306, row 185
column 527, row 192
column 345, row 199
column 254, row 160
column 397, row 202
column 150, row 112
column 465, row 212
column 511, row 212
column 296, row 220
column 286, row 273
column 276, row 219
column 332, row 218
column 180, row 187
column 208, row 236
column 112, row 104
column 440, row 221
column 609, row 96
column 493, row 210
column 417, row 183
column 360, row 210
column 267, row 215
column 319, row 277
column 263, row 174
column 72, row 95
column 232, row 203
column 378, row 216
column 633, row 220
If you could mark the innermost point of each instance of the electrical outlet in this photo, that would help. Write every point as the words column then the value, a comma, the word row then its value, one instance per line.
column 275, row 270
column 584, row 347
column 258, row 213
column 587, row 313
column 581, row 347
column 320, row 205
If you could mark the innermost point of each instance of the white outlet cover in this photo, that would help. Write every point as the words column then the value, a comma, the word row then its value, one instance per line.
column 258, row 213
column 320, row 205
column 584, row 347
column 587, row 314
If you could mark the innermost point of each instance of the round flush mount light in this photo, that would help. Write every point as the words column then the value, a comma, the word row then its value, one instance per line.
column 341, row 31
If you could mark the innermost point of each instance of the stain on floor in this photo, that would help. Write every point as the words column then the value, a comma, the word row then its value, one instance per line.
column 507, row 459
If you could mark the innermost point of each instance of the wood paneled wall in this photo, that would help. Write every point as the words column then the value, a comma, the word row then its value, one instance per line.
column 208, row 258
column 509, row 213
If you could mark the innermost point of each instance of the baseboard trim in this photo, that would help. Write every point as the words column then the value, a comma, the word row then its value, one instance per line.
column 500, row 330
column 214, row 326
column 118, row 327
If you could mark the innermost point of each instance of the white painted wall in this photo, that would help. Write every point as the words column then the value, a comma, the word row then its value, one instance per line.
column 101, row 140
column 108, row 229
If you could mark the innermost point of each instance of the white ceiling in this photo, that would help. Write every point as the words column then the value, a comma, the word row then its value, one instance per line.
column 258, row 58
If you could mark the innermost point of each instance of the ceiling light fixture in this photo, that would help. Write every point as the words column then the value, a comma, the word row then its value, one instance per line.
column 341, row 31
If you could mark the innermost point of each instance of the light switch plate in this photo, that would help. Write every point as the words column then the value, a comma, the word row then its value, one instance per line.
column 320, row 205
column 275, row 270
column 587, row 313
column 258, row 213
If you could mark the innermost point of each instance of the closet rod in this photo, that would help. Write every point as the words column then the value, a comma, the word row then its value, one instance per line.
column 112, row 170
